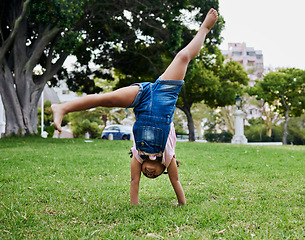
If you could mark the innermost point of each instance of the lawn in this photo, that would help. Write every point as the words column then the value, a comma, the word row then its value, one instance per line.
column 72, row 189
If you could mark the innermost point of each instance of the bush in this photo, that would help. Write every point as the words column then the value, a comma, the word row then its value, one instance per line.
column 86, row 121
column 223, row 137
column 49, row 129
column 296, row 131
column 257, row 133
column 86, row 126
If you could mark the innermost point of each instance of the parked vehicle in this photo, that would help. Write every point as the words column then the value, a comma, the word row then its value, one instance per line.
column 118, row 132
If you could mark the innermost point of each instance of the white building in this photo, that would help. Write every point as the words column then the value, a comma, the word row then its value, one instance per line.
column 253, row 63
column 250, row 59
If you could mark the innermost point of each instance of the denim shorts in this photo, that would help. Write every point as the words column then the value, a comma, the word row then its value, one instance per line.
column 154, row 107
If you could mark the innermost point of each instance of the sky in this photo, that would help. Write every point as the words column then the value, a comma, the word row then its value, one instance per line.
column 277, row 27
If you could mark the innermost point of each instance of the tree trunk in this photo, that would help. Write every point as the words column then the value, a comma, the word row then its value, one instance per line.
column 20, row 94
column 287, row 118
column 17, row 105
column 190, row 122
column 268, row 131
column 104, row 118
column 13, row 113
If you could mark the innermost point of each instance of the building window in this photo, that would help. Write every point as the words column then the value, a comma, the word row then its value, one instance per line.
column 259, row 65
column 251, row 54
column 251, row 64
column 236, row 54
column 253, row 111
column 65, row 92
column 260, row 56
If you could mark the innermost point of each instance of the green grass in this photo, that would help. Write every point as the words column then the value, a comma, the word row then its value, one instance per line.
column 71, row 189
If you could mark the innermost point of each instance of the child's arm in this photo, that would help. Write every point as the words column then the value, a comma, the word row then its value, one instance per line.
column 174, row 178
column 135, row 181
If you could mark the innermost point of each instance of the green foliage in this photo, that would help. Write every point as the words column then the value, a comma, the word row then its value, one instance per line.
column 61, row 13
column 224, row 137
column 93, row 121
column 226, row 81
column 287, row 86
column 256, row 132
column 296, row 130
column 211, row 122
column 255, row 121
column 286, row 90
column 49, row 129
column 210, row 80
column 201, row 83
column 48, row 119
column 138, row 39
column 233, row 79
column 82, row 82
column 213, row 82
column 179, row 119
column 199, row 112
column 86, row 121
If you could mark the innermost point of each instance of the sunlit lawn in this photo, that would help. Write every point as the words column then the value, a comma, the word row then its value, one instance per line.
column 72, row 189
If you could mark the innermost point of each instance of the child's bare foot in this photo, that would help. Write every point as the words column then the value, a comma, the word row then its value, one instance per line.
column 210, row 19
column 58, row 115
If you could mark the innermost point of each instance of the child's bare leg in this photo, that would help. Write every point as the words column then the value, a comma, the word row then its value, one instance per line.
column 177, row 69
column 122, row 97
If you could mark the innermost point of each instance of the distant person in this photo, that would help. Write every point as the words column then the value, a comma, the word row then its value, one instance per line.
column 154, row 106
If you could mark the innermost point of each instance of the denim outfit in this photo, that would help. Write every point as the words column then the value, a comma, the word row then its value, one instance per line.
column 154, row 108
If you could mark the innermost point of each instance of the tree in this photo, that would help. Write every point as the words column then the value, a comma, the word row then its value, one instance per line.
column 86, row 122
column 33, row 33
column 254, row 131
column 132, row 37
column 211, row 81
column 284, row 89
column 270, row 118
column 199, row 112
column 134, row 40
column 91, row 120
column 226, row 118
column 296, row 130
column 150, row 35
column 139, row 39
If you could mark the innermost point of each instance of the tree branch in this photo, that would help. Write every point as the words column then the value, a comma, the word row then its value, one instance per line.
column 54, row 68
column 51, row 70
column 46, row 38
column 8, row 42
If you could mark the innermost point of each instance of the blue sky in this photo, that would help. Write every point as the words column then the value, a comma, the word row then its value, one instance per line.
column 274, row 26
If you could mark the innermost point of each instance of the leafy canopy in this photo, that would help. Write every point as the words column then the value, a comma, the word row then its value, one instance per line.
column 137, row 40
column 285, row 87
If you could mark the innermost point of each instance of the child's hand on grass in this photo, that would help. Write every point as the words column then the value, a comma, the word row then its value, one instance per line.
column 178, row 204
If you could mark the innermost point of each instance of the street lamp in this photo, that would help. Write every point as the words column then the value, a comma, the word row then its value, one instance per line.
column 239, row 137
column 238, row 102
